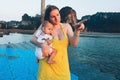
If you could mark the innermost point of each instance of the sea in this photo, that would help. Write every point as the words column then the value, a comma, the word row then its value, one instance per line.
column 99, row 56
column 96, row 57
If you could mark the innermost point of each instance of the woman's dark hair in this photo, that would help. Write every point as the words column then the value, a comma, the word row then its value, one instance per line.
column 64, row 13
column 68, row 15
column 49, row 8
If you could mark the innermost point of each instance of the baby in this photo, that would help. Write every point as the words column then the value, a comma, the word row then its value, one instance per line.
column 44, row 36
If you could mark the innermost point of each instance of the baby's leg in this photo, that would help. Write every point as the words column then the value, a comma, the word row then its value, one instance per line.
column 52, row 55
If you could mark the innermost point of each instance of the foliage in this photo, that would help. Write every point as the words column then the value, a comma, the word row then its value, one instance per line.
column 99, row 22
column 104, row 22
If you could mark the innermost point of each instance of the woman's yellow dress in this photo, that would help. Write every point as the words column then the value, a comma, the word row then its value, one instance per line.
column 59, row 70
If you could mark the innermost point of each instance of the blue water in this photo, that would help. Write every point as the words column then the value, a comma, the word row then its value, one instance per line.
column 17, row 63
column 98, row 56
column 95, row 58
column 20, row 67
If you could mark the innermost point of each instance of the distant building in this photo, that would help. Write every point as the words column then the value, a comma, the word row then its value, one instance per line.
column 13, row 24
column 2, row 24
column 25, row 23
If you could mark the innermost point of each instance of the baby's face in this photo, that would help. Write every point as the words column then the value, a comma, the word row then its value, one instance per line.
column 48, row 29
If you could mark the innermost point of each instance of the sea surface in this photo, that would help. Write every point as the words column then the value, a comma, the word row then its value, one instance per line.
column 96, row 57
column 99, row 55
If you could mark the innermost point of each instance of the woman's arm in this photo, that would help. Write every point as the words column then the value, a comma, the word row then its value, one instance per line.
column 33, row 39
column 74, row 36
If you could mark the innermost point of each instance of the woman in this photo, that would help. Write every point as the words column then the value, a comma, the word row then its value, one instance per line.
column 63, row 35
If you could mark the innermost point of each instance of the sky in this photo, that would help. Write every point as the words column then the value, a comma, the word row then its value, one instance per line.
column 15, row 9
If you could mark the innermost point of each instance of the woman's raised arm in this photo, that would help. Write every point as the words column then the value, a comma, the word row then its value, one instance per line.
column 74, row 36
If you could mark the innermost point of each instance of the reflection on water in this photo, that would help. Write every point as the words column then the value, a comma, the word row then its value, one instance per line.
column 14, row 38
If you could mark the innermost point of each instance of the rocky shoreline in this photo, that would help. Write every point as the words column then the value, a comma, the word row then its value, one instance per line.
column 7, row 31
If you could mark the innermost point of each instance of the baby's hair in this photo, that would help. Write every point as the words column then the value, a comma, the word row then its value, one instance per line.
column 44, row 23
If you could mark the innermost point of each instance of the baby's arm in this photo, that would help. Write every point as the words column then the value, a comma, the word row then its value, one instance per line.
column 48, row 41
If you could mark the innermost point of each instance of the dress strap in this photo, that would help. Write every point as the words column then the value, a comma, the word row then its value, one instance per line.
column 63, row 31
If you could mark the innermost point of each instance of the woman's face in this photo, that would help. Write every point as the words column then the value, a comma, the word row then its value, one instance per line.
column 55, row 17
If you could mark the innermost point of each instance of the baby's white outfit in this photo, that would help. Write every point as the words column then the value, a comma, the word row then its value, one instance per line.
column 40, row 38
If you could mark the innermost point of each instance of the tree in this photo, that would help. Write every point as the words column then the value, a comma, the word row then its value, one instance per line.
column 26, row 17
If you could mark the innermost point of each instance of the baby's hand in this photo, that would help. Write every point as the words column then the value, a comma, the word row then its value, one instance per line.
column 48, row 41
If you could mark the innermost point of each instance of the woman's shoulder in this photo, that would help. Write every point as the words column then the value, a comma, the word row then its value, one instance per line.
column 66, row 25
